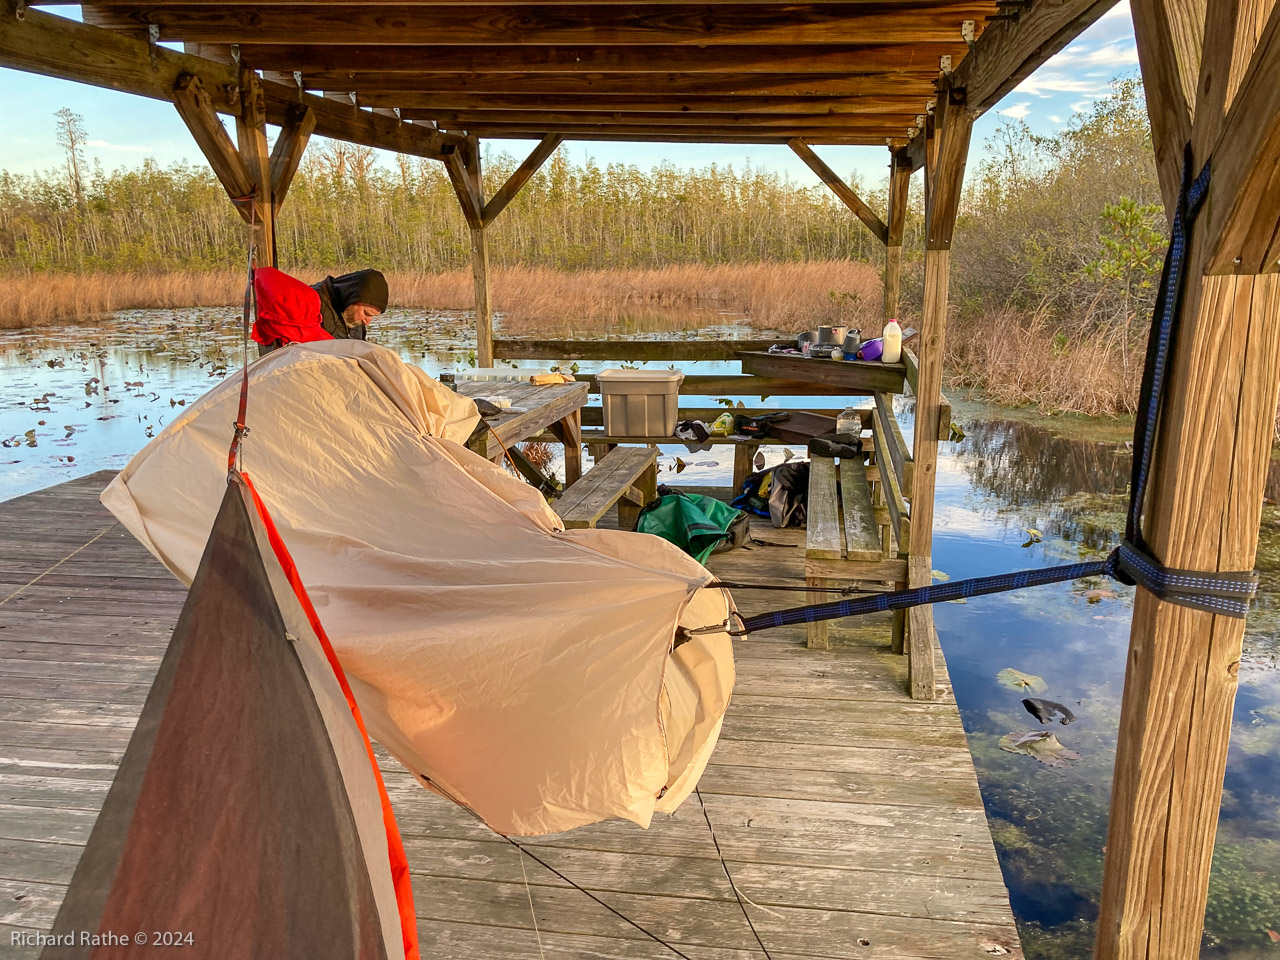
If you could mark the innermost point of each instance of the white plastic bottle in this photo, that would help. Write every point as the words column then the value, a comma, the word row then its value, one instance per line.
column 892, row 342
column 848, row 423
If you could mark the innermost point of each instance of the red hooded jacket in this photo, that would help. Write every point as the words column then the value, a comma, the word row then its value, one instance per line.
column 288, row 309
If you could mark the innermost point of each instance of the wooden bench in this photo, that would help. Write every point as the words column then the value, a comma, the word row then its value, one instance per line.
column 627, row 476
column 852, row 534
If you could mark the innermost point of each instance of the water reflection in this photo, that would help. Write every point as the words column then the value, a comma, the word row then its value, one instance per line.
column 1050, row 824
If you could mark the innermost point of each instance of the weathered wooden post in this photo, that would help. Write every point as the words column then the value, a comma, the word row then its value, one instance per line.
column 480, row 264
column 899, row 185
column 946, row 152
column 1212, row 77
column 251, row 135
column 465, row 174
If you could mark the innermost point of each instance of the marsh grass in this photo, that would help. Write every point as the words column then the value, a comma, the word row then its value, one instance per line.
column 531, row 300
column 1023, row 358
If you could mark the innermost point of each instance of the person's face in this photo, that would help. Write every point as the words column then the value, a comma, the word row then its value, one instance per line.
column 359, row 314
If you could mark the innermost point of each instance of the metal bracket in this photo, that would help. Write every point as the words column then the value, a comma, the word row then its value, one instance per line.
column 944, row 64
column 153, row 38
column 968, row 32
column 20, row 10
column 920, row 121
column 235, row 54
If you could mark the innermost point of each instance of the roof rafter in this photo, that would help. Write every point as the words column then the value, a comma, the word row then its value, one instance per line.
column 1010, row 51
column 55, row 46
column 484, row 24
column 885, row 59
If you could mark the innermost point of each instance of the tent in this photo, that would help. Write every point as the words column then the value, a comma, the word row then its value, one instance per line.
column 247, row 818
column 528, row 672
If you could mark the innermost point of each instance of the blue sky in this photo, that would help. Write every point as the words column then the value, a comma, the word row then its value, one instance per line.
column 123, row 129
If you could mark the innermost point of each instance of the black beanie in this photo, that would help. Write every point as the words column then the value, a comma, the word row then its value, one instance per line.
column 363, row 286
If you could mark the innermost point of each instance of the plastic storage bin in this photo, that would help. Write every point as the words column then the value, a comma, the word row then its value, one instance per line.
column 640, row 403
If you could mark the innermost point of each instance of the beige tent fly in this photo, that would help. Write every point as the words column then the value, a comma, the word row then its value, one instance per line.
column 526, row 671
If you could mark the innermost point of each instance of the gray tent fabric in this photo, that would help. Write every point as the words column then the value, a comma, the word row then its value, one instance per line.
column 229, row 818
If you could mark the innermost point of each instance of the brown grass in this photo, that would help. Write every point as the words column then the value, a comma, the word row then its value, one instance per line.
column 531, row 300
column 1018, row 359
column 47, row 298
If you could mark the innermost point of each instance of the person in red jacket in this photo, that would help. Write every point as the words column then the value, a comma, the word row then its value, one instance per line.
column 288, row 311
column 349, row 302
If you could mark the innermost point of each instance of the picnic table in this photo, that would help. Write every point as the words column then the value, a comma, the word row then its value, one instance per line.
column 556, row 407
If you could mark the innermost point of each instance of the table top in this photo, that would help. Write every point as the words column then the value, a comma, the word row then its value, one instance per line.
column 543, row 406
column 861, row 376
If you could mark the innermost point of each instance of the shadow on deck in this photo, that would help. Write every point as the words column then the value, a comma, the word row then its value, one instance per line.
column 849, row 814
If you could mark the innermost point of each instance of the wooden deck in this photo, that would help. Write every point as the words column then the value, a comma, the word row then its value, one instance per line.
column 849, row 814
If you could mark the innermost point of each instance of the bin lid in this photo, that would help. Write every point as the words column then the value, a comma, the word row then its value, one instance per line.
column 647, row 376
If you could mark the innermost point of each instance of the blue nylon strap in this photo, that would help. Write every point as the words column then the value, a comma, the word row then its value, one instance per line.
column 1224, row 592
column 937, row 593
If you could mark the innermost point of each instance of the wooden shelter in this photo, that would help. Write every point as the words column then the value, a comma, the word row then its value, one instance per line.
column 430, row 78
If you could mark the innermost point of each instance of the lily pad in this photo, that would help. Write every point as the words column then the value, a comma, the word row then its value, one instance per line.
column 1017, row 680
column 1041, row 744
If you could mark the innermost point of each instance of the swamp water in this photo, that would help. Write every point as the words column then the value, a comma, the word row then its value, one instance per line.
column 1019, row 491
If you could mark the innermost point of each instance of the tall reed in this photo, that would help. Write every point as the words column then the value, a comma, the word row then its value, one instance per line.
column 530, row 300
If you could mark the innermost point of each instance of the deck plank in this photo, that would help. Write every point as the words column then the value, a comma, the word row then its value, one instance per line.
column 848, row 812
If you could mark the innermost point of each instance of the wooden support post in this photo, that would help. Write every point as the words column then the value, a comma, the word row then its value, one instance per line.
column 463, row 167
column 464, row 172
column 899, row 185
column 569, row 432
column 944, row 175
column 1204, row 503
column 251, row 132
column 817, row 632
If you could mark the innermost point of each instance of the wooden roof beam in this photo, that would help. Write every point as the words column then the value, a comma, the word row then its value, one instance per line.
column 933, row 21
column 658, row 133
column 553, row 120
column 840, row 189
column 609, row 134
column 498, row 202
column 650, row 103
column 458, row 165
column 920, row 60
column 287, row 153
column 196, row 109
column 55, row 46
column 1009, row 51
column 425, row 80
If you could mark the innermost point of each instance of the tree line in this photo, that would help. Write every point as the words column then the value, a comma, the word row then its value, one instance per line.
column 1069, row 225
column 344, row 208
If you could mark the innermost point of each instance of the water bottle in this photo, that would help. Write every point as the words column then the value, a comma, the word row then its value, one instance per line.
column 848, row 424
column 892, row 342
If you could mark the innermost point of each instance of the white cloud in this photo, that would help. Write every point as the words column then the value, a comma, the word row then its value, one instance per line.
column 1018, row 111
column 1080, row 106
column 1049, row 82
column 1055, row 118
